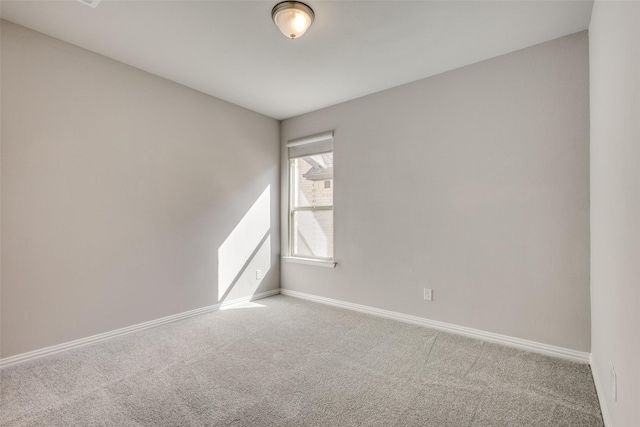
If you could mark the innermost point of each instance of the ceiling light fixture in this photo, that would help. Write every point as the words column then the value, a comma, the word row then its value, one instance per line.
column 292, row 18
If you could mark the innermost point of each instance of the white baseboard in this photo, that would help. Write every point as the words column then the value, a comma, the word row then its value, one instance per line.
column 536, row 347
column 600, row 391
column 24, row 357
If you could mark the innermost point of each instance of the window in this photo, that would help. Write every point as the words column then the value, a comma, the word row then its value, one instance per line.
column 311, row 198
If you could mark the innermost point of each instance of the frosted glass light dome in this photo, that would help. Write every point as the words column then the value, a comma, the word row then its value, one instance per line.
column 292, row 18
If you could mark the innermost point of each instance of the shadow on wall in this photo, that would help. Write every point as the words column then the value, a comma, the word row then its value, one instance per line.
column 244, row 258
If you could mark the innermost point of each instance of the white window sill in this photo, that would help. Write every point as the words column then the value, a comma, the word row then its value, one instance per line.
column 310, row 261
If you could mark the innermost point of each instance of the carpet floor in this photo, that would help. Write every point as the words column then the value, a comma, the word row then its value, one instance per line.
column 282, row 361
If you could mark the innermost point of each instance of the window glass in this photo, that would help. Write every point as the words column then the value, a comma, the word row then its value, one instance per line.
column 313, row 180
column 313, row 233
column 311, row 206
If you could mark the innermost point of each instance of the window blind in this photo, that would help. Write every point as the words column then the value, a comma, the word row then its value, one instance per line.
column 313, row 144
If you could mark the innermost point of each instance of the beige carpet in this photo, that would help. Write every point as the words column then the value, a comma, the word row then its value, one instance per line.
column 282, row 361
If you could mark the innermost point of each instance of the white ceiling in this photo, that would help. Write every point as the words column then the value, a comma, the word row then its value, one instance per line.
column 233, row 51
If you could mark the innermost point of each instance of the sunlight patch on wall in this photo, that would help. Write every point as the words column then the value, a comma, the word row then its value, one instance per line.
column 246, row 250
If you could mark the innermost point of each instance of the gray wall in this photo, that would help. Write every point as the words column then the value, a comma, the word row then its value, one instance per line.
column 614, row 40
column 474, row 183
column 121, row 194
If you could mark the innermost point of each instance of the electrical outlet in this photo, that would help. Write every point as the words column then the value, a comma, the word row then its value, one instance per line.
column 614, row 384
column 428, row 294
column 258, row 274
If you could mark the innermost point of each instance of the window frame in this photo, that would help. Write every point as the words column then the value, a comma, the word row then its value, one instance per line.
column 312, row 260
